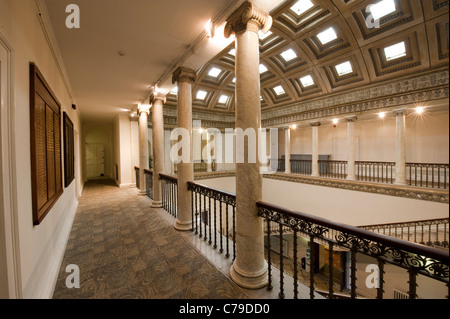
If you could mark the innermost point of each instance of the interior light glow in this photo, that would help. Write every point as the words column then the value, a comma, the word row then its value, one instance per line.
column 307, row 81
column 279, row 90
column 223, row 99
column 395, row 51
column 382, row 8
column 234, row 80
column 382, row 115
column 232, row 52
column 262, row 69
column 262, row 35
column 420, row 109
column 302, row 6
column 335, row 121
column 214, row 72
column 344, row 68
column 293, row 126
column 174, row 90
column 201, row 95
column 289, row 55
column 327, row 36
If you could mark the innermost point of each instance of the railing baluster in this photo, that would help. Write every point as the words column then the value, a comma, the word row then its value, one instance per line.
column 221, row 226
column 281, row 293
column 380, row 290
column 353, row 273
column 312, row 261
column 215, row 223
column 295, row 264
column 330, row 269
column 209, row 220
column 234, row 233
column 412, row 292
column 205, row 219
column 269, row 260
column 227, row 232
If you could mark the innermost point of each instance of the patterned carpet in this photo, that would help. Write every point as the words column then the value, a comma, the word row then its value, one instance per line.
column 125, row 250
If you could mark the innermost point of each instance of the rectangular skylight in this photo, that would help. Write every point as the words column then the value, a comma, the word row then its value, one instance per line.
column 214, row 72
column 262, row 69
column 344, row 68
column 302, row 6
column 262, row 35
column 201, row 95
column 307, row 81
column 327, row 36
column 279, row 90
column 223, row 99
column 382, row 8
column 395, row 51
column 289, row 55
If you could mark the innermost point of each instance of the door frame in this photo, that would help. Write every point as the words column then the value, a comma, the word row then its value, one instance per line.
column 10, row 249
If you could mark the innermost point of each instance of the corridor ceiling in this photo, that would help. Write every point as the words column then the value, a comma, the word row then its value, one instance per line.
column 320, row 48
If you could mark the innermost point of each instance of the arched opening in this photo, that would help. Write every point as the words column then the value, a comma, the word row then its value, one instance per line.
column 98, row 153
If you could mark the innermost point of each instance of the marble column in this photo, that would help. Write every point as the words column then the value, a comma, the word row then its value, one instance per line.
column 315, row 148
column 184, row 77
column 143, row 110
column 287, row 150
column 351, row 147
column 157, row 99
column 249, row 269
column 400, row 147
column 209, row 156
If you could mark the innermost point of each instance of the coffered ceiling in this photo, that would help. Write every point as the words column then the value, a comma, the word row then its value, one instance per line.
column 327, row 47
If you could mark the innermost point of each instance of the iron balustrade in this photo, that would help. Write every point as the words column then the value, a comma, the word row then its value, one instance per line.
column 428, row 175
column 416, row 259
column 169, row 189
column 148, row 174
column 136, row 171
column 433, row 232
column 214, row 217
column 333, row 169
column 302, row 167
column 378, row 172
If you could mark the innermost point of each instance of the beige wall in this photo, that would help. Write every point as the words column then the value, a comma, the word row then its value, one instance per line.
column 41, row 248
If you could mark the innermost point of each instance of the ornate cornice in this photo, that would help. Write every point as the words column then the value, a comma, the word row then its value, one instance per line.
column 248, row 17
column 200, row 176
column 390, row 190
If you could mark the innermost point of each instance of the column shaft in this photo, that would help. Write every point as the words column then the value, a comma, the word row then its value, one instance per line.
column 400, row 148
column 287, row 151
column 315, row 148
column 351, row 149
column 143, row 147
column 158, row 149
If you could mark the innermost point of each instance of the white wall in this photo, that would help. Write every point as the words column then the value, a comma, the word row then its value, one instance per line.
column 123, row 150
column 41, row 247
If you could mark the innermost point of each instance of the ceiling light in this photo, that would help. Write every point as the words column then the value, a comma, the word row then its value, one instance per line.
column 210, row 29
column 262, row 35
column 232, row 52
column 344, row 68
column 223, row 99
column 279, row 90
column 327, row 36
column 262, row 69
column 307, row 81
column 335, row 121
column 382, row 8
column 395, row 51
column 201, row 95
column 289, row 55
column 293, row 126
column 302, row 6
column 214, row 72
column 419, row 109
column 382, row 115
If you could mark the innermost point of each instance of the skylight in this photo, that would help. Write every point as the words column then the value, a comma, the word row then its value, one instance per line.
column 214, row 72
column 262, row 35
column 289, row 55
column 382, row 8
column 395, row 51
column 307, row 81
column 262, row 69
column 344, row 68
column 327, row 36
column 279, row 90
column 302, row 6
column 223, row 99
column 201, row 95
column 234, row 80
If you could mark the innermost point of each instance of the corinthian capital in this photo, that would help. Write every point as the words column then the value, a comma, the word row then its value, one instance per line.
column 248, row 17
column 157, row 95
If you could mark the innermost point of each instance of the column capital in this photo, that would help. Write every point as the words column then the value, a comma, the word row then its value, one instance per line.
column 248, row 17
column 351, row 118
column 183, row 74
column 144, row 108
column 315, row 124
column 155, row 95
column 401, row 111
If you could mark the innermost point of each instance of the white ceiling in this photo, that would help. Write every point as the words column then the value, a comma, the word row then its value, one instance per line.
column 153, row 34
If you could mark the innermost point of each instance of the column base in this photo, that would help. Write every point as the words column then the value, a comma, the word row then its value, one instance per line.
column 156, row 204
column 249, row 280
column 183, row 225
column 142, row 193
column 287, row 172
column 351, row 178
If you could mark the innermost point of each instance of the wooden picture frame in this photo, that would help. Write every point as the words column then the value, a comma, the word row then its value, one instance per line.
column 45, row 143
column 69, row 150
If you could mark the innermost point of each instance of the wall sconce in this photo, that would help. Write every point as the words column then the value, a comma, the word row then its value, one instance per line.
column 210, row 29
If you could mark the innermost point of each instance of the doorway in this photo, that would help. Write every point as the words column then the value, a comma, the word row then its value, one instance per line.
column 95, row 160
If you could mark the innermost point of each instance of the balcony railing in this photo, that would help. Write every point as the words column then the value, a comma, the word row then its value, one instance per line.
column 333, row 169
column 169, row 189
column 136, row 171
column 416, row 259
column 148, row 183
column 214, row 217
column 375, row 172
column 428, row 175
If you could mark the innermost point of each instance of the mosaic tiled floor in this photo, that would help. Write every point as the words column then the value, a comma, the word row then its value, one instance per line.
column 125, row 250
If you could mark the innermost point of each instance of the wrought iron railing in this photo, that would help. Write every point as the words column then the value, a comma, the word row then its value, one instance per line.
column 136, row 171
column 428, row 175
column 169, row 189
column 214, row 217
column 416, row 259
column 333, row 169
column 302, row 167
column 376, row 172
column 148, row 174
column 433, row 232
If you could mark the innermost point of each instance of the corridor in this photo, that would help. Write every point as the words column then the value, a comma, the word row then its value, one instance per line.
column 127, row 250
